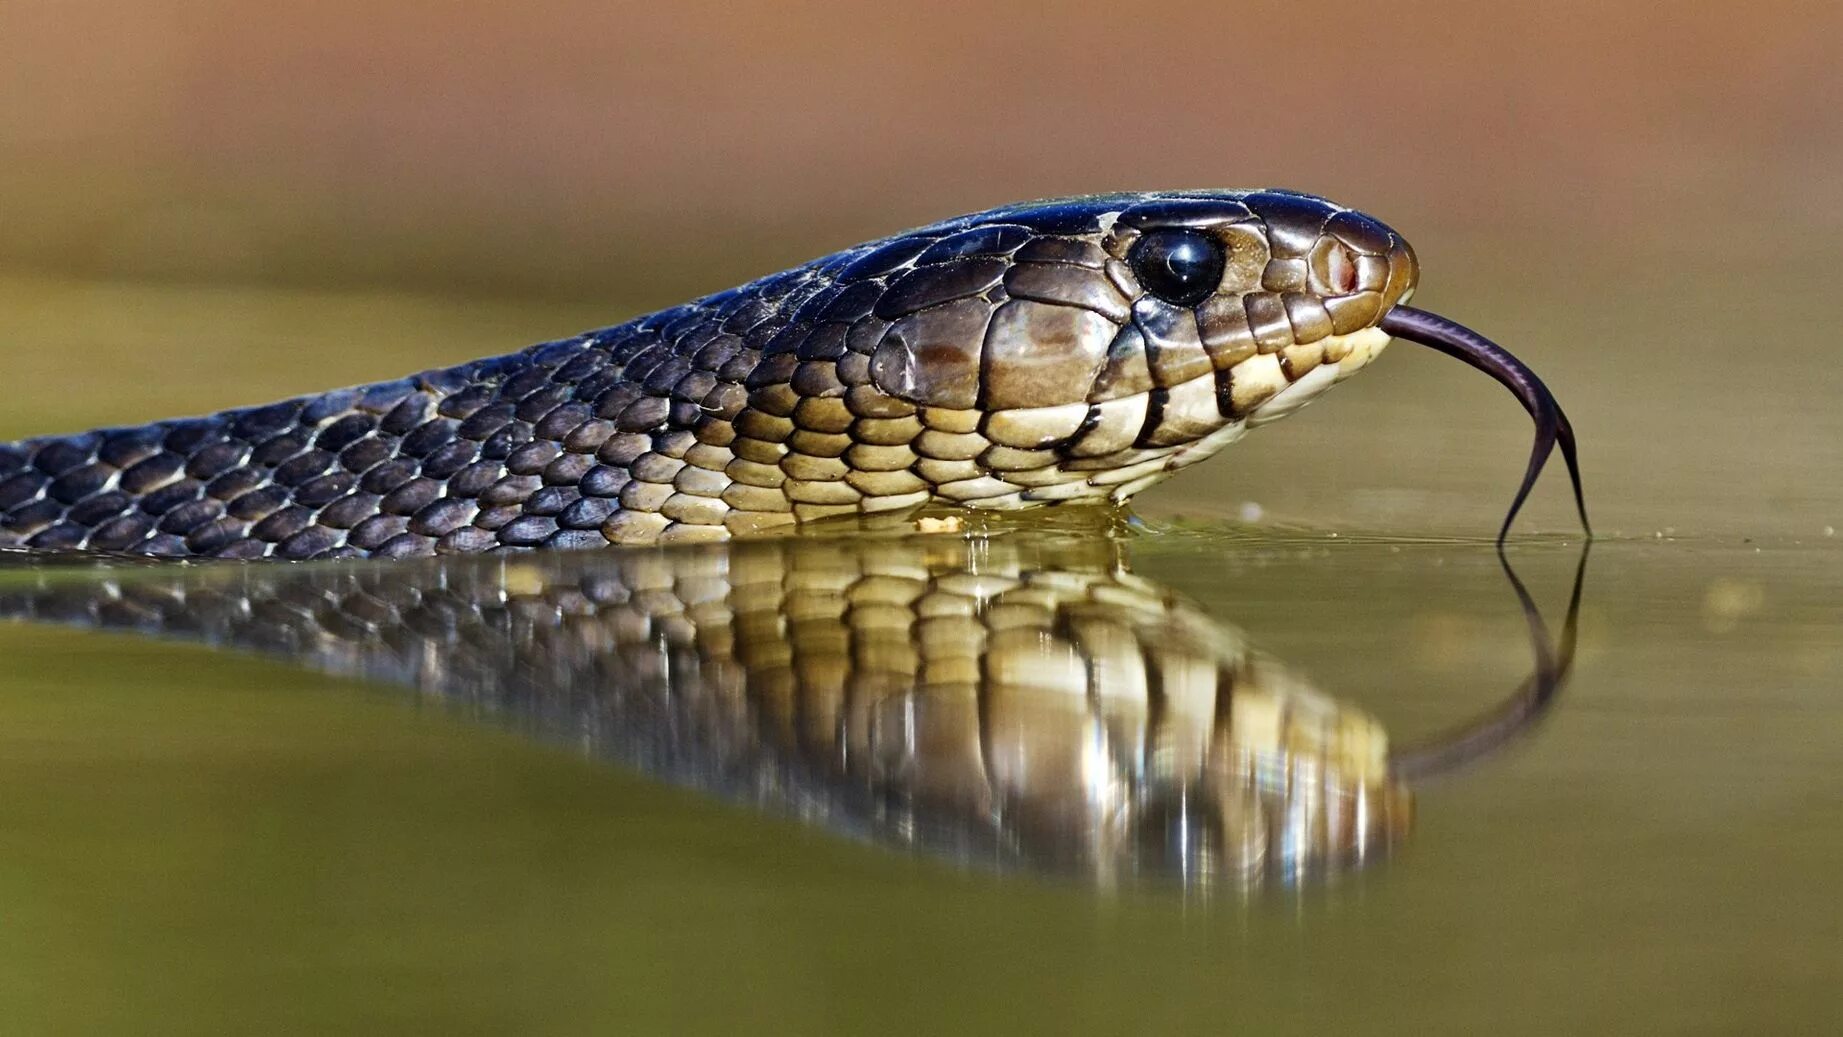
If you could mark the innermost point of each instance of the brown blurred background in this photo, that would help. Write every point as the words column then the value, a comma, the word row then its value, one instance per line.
column 1625, row 195
column 206, row 203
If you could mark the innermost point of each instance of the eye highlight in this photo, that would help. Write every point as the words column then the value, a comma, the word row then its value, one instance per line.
column 1177, row 265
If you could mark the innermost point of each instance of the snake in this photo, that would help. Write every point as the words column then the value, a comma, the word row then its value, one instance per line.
column 1054, row 352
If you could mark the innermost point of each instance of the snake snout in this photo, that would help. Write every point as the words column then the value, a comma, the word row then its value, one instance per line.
column 1351, row 262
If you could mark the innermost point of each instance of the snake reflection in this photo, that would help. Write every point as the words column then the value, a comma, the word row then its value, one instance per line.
column 1021, row 702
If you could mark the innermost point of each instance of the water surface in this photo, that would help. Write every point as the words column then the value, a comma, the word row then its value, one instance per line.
column 193, row 838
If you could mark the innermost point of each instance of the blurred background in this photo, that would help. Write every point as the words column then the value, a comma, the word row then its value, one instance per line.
column 205, row 203
column 573, row 149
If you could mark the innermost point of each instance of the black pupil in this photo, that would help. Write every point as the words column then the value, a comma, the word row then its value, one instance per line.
column 1178, row 266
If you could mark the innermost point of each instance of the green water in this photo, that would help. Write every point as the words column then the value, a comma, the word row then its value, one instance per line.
column 193, row 840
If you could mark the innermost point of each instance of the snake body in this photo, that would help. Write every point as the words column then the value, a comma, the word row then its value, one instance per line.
column 1079, row 349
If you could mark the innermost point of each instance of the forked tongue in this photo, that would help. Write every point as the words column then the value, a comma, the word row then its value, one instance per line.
column 1453, row 339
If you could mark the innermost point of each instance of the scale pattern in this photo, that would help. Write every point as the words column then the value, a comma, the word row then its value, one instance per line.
column 1000, row 360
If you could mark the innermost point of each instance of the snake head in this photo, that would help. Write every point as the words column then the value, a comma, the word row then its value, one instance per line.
column 1277, row 285
column 1105, row 342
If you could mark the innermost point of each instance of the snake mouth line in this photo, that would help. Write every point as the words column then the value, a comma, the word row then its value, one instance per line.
column 1552, row 428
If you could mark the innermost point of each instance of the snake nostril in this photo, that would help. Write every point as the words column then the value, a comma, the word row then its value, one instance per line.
column 1341, row 271
column 1337, row 271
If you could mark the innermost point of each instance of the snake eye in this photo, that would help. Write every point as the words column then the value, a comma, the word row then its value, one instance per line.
column 1179, row 266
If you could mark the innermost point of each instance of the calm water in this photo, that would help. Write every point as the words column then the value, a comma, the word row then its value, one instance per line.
column 359, row 834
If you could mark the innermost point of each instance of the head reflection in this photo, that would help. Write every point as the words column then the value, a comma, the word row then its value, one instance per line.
column 1015, row 703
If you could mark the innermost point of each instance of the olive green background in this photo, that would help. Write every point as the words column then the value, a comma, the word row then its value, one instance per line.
column 205, row 203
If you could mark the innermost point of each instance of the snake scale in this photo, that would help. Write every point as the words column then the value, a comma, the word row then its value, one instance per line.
column 1071, row 350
